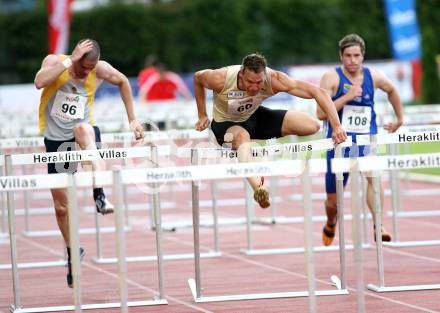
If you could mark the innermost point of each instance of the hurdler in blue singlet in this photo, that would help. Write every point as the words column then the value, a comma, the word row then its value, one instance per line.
column 357, row 117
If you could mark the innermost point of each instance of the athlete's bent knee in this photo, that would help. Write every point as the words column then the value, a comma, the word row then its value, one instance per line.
column 313, row 127
column 83, row 130
column 241, row 138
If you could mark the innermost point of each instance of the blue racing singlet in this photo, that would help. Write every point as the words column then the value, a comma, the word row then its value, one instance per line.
column 357, row 116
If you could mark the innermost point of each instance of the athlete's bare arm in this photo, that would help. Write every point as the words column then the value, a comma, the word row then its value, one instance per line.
column 281, row 82
column 52, row 67
column 382, row 82
column 209, row 79
column 104, row 71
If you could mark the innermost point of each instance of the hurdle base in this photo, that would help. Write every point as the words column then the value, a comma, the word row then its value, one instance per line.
column 82, row 231
column 257, row 296
column 409, row 214
column 297, row 250
column 88, row 306
column 300, row 219
column 422, row 243
column 169, row 257
column 35, row 264
column 223, row 221
column 380, row 289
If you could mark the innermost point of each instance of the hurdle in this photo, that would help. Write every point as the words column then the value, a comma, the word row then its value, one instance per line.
column 271, row 151
column 91, row 155
column 276, row 219
column 432, row 134
column 81, row 155
column 287, row 150
column 100, row 259
column 376, row 163
column 8, row 161
column 114, row 153
column 33, row 182
column 278, row 168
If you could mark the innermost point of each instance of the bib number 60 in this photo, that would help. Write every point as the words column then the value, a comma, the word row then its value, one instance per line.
column 245, row 107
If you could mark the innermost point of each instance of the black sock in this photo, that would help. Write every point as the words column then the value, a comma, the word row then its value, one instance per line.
column 97, row 192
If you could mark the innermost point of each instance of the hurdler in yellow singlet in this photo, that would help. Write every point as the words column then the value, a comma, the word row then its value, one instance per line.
column 64, row 103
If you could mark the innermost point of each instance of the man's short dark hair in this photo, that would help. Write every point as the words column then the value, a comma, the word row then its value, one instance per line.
column 95, row 53
column 254, row 62
column 350, row 41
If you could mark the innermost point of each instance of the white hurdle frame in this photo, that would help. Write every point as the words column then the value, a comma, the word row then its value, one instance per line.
column 317, row 145
column 8, row 164
column 71, row 182
column 292, row 167
column 392, row 140
column 155, row 210
column 90, row 155
column 86, row 155
column 375, row 163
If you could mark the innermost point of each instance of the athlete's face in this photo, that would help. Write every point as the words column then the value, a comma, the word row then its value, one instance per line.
column 352, row 59
column 83, row 67
column 251, row 82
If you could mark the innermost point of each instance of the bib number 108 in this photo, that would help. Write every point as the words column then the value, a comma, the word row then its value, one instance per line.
column 357, row 120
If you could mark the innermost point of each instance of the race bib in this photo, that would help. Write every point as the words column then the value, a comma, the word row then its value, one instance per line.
column 356, row 119
column 240, row 107
column 68, row 106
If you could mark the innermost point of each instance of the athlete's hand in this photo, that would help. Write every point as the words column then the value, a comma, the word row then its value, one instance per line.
column 392, row 127
column 81, row 49
column 137, row 129
column 355, row 91
column 202, row 123
column 339, row 134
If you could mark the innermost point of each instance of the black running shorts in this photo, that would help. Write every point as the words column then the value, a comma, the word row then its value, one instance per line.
column 66, row 145
column 264, row 123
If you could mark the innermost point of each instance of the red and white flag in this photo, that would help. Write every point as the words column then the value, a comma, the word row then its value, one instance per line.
column 59, row 25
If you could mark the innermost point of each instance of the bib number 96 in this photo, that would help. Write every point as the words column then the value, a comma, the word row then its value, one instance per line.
column 71, row 109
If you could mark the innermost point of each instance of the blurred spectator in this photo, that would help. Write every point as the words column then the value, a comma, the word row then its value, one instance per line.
column 157, row 84
column 150, row 69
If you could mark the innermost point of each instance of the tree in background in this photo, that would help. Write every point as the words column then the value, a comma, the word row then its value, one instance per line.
column 190, row 35
column 429, row 20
